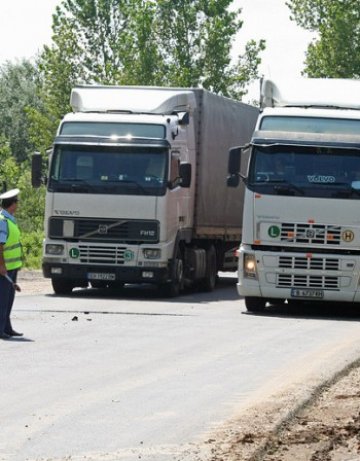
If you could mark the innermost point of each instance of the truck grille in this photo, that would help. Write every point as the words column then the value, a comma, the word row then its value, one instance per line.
column 307, row 281
column 119, row 230
column 299, row 262
column 310, row 234
column 101, row 255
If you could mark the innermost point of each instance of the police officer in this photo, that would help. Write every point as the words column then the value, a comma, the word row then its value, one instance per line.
column 10, row 260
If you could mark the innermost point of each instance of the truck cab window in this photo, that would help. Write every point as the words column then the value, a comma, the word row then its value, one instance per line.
column 84, row 167
column 313, row 171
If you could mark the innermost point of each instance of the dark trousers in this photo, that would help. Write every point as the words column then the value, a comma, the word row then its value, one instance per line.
column 7, row 294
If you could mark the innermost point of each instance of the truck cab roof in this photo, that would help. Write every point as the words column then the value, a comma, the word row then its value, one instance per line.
column 311, row 92
column 156, row 100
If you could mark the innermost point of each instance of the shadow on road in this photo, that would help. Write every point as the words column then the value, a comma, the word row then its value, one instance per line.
column 304, row 310
column 225, row 291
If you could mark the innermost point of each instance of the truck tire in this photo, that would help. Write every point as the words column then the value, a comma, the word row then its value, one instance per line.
column 62, row 286
column 174, row 288
column 209, row 282
column 254, row 304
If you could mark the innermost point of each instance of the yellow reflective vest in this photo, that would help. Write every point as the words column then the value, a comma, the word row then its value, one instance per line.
column 12, row 248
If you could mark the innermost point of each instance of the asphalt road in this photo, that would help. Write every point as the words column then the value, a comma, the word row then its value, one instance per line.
column 104, row 376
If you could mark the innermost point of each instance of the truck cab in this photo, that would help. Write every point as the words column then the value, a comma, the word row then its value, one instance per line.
column 301, row 236
column 136, row 191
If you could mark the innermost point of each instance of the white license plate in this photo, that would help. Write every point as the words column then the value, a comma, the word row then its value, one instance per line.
column 101, row 276
column 309, row 293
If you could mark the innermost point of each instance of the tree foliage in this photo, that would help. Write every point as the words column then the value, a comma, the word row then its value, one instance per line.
column 30, row 213
column 164, row 42
column 336, row 51
column 18, row 92
column 181, row 43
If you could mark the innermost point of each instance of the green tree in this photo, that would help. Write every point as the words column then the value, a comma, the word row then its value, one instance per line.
column 184, row 43
column 31, row 208
column 336, row 50
column 9, row 168
column 18, row 92
column 197, row 37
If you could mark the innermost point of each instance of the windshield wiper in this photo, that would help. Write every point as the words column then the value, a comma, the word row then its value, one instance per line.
column 135, row 183
column 77, row 184
column 346, row 188
column 282, row 186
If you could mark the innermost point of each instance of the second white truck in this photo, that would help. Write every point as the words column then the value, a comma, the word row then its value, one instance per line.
column 136, row 189
column 301, row 220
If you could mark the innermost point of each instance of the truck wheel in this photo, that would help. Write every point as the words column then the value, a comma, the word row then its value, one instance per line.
column 173, row 288
column 62, row 286
column 209, row 282
column 254, row 304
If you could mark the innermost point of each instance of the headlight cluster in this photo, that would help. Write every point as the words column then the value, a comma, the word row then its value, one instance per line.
column 250, row 270
column 53, row 249
column 152, row 253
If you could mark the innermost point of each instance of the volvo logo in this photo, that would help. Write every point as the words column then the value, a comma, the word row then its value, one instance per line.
column 103, row 229
column 310, row 233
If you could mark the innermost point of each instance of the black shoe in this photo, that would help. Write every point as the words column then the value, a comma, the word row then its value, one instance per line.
column 4, row 336
column 14, row 333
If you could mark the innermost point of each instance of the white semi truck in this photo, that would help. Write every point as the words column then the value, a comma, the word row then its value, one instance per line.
column 301, row 219
column 136, row 189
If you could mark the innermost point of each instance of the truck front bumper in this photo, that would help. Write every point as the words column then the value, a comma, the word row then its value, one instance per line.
column 84, row 273
column 302, row 276
column 286, row 293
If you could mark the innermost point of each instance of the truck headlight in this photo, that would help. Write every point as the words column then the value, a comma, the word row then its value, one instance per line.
column 152, row 253
column 53, row 249
column 250, row 270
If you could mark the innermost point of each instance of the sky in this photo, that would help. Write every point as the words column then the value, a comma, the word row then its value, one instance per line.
column 25, row 26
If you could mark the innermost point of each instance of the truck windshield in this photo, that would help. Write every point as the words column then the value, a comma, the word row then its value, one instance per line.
column 305, row 171
column 108, row 170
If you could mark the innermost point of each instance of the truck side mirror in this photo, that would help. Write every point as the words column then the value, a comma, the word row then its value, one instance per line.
column 233, row 180
column 234, row 167
column 36, row 170
column 234, row 160
column 185, row 174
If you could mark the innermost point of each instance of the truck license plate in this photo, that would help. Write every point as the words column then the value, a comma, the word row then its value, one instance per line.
column 101, row 276
column 310, row 293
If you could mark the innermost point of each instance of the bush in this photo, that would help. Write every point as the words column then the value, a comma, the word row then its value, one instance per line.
column 32, row 249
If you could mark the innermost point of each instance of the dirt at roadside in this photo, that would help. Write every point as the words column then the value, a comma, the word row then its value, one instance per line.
column 33, row 282
column 327, row 428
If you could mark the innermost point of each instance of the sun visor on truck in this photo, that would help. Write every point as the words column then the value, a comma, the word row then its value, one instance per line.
column 314, row 92
column 131, row 99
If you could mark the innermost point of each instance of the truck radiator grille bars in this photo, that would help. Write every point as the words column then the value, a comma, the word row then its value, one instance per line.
column 298, row 262
column 102, row 255
column 307, row 281
column 310, row 233
column 311, row 271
